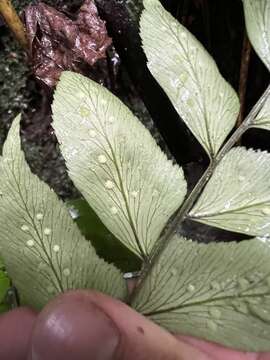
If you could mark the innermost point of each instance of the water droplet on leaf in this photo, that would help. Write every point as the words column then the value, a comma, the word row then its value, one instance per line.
column 109, row 184
column 266, row 210
column 66, row 272
column 114, row 210
column 241, row 178
column 227, row 205
column 92, row 133
column 185, row 96
column 84, row 111
column 102, row 159
column 134, row 194
column 47, row 231
column 183, row 77
column 30, row 243
column 56, row 248
column 183, row 35
column 74, row 213
column 190, row 288
column 25, row 228
column 39, row 216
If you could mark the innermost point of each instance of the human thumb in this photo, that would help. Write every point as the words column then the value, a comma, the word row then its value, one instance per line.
column 88, row 325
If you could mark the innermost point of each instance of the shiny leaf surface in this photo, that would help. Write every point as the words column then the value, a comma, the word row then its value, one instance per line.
column 189, row 76
column 237, row 197
column 43, row 250
column 219, row 292
column 115, row 163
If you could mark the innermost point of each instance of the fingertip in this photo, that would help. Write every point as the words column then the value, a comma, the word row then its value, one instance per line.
column 73, row 327
column 139, row 338
column 89, row 325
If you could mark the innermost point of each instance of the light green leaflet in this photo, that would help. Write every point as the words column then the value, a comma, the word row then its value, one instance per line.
column 262, row 120
column 189, row 76
column 257, row 15
column 43, row 249
column 115, row 163
column 237, row 197
column 219, row 292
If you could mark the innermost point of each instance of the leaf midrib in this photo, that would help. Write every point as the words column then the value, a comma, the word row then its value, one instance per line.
column 205, row 302
column 209, row 146
column 144, row 256
column 133, row 228
column 38, row 235
column 211, row 214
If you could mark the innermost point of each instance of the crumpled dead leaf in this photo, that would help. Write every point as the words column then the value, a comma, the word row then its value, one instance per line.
column 58, row 43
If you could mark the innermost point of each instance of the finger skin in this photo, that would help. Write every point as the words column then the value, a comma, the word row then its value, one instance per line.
column 218, row 352
column 73, row 328
column 89, row 325
column 132, row 336
column 15, row 333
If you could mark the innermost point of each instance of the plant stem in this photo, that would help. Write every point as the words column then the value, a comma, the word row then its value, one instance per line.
column 14, row 22
column 245, row 59
column 182, row 213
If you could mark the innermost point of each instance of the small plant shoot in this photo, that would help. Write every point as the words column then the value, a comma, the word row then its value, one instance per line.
column 218, row 291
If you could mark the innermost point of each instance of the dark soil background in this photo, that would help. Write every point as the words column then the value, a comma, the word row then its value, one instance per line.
column 218, row 24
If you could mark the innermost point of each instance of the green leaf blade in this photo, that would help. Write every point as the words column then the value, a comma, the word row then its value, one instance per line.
column 257, row 16
column 115, row 163
column 237, row 196
column 44, row 251
column 262, row 120
column 218, row 292
column 189, row 76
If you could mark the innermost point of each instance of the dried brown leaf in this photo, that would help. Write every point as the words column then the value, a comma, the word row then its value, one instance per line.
column 58, row 43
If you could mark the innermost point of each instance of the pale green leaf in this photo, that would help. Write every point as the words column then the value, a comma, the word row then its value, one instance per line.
column 115, row 163
column 262, row 120
column 237, row 197
column 219, row 292
column 257, row 16
column 43, row 249
column 189, row 76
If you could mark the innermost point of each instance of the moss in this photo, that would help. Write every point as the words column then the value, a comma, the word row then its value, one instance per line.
column 66, row 4
column 13, row 76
